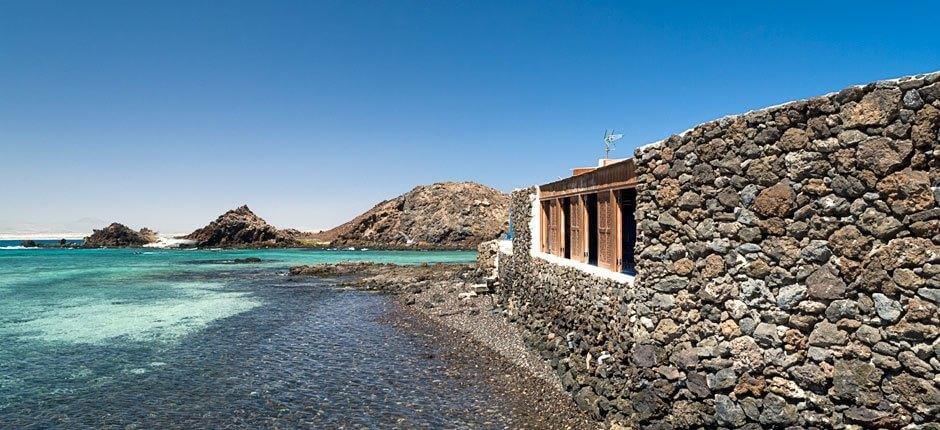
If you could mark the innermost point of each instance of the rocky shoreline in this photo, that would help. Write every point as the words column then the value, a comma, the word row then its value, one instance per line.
column 450, row 305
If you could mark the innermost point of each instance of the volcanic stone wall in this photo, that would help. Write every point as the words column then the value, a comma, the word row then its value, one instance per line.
column 788, row 267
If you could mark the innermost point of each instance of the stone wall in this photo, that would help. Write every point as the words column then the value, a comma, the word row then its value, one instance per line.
column 788, row 273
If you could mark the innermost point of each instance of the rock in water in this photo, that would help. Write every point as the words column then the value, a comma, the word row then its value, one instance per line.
column 449, row 215
column 119, row 235
column 240, row 227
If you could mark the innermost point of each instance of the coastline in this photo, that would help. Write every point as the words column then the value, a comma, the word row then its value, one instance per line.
column 439, row 304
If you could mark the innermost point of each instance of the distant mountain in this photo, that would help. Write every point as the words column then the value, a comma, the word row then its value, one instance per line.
column 448, row 215
column 240, row 227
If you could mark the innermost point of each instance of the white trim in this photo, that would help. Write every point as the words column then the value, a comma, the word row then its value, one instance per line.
column 535, row 223
column 589, row 269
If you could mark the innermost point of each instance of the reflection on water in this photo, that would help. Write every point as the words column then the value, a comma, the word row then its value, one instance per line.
column 235, row 347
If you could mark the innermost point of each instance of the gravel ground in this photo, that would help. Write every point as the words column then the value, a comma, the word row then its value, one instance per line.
column 438, row 306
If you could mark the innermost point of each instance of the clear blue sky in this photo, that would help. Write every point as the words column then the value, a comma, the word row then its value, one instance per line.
column 166, row 113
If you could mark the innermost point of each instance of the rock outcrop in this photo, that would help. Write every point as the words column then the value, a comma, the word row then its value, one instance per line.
column 239, row 228
column 119, row 235
column 449, row 215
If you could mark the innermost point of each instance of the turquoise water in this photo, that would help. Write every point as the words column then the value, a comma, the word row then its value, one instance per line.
column 186, row 339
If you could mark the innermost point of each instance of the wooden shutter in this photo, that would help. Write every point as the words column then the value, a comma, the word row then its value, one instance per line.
column 575, row 229
column 615, row 225
column 560, row 229
column 605, row 257
column 545, row 216
column 552, row 227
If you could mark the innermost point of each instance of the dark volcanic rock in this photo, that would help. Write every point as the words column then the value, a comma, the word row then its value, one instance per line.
column 240, row 227
column 117, row 235
column 451, row 215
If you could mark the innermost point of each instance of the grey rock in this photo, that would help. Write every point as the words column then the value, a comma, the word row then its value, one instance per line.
column 839, row 309
column 728, row 412
column 766, row 335
column 724, row 378
column 868, row 334
column 912, row 100
column 827, row 334
column 887, row 309
column 790, row 295
column 817, row 252
column 932, row 294
column 778, row 411
column 857, row 381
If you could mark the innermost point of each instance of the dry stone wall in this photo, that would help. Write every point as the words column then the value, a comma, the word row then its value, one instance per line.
column 788, row 267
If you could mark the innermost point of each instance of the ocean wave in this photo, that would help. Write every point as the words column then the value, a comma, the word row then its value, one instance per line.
column 18, row 247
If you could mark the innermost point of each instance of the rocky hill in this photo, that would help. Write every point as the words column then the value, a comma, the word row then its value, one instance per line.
column 240, row 227
column 119, row 235
column 448, row 215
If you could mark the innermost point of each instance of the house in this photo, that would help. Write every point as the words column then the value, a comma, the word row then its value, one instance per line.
column 589, row 217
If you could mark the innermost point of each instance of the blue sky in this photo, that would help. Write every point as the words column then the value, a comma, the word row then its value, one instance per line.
column 167, row 113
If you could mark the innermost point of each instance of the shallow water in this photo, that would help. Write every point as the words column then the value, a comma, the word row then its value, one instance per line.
column 123, row 338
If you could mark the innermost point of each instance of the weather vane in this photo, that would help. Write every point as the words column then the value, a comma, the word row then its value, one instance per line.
column 609, row 139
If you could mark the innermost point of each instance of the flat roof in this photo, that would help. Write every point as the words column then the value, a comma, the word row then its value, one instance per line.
column 621, row 174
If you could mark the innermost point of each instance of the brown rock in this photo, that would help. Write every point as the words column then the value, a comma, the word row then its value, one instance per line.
column 882, row 155
column 915, row 393
column 878, row 107
column 748, row 384
column 668, row 192
column 910, row 252
column 714, row 266
column 908, row 191
column 683, row 266
column 776, row 201
column 793, row 139
column 849, row 242
column 822, row 284
column 816, row 187
column 926, row 124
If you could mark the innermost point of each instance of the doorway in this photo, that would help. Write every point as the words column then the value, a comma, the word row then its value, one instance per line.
column 627, row 200
column 566, row 214
column 590, row 202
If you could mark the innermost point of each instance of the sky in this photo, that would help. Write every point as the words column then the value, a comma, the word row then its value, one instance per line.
column 165, row 114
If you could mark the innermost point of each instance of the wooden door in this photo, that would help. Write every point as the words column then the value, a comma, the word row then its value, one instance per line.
column 575, row 228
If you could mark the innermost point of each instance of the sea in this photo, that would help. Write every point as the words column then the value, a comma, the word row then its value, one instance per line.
column 158, row 338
